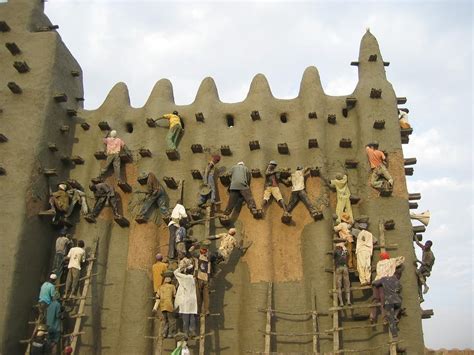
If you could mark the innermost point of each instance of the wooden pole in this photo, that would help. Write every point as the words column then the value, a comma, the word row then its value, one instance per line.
column 268, row 327
column 202, row 320
column 314, row 315
column 335, row 315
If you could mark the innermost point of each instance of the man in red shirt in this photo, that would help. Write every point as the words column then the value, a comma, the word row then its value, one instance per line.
column 113, row 147
column 377, row 162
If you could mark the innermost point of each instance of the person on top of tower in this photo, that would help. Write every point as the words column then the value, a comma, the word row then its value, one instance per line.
column 403, row 118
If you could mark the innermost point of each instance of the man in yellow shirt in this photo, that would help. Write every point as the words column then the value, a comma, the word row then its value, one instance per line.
column 176, row 129
column 157, row 271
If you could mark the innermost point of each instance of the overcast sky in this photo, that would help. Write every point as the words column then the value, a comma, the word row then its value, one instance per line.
column 429, row 45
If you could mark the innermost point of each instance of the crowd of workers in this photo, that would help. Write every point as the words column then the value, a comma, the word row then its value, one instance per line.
column 181, row 278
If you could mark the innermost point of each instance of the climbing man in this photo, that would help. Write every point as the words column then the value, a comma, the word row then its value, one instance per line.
column 76, row 257
column 378, row 163
column 178, row 214
column 386, row 267
column 59, row 201
column 157, row 271
column 166, row 295
column 424, row 271
column 403, row 118
column 209, row 181
column 298, row 192
column 113, row 146
column 392, row 301
column 226, row 246
column 343, row 194
column 203, row 276
column 176, row 129
column 364, row 249
column 63, row 243
column 46, row 296
column 343, row 229
column 271, row 186
column 155, row 194
column 103, row 192
column 78, row 197
column 53, row 321
column 342, row 274
column 240, row 188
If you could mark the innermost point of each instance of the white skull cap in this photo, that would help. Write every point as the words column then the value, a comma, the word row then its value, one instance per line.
column 240, row 163
column 113, row 133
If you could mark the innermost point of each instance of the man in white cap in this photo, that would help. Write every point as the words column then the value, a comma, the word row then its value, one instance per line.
column 271, row 186
column 226, row 246
column 113, row 147
column 240, row 188
column 46, row 295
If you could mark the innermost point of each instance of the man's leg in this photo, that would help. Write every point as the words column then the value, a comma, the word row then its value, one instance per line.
column 339, row 207
column 339, row 272
column 117, row 162
column 109, row 161
column 375, row 299
column 294, row 198
column 99, row 204
column 205, row 298
column 169, row 139
column 68, row 282
column 149, row 201
column 164, row 324
column 212, row 184
column 162, row 203
column 234, row 196
column 172, row 241
column 113, row 200
column 267, row 194
column 374, row 179
column 178, row 134
column 347, row 206
column 172, row 324
column 58, row 263
column 390, row 312
column 347, row 285
column 247, row 195
column 384, row 172
column 303, row 196
column 186, row 319
column 75, row 280
column 192, row 324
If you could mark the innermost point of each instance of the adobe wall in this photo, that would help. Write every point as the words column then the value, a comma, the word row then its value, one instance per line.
column 293, row 257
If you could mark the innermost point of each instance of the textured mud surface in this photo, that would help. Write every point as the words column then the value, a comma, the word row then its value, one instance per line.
column 293, row 257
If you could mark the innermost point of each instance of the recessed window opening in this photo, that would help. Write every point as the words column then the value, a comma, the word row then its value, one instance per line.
column 129, row 127
column 284, row 118
column 230, row 120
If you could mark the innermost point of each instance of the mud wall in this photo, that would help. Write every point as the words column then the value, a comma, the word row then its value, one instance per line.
column 293, row 257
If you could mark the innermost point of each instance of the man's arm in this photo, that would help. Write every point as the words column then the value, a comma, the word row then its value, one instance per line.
column 217, row 236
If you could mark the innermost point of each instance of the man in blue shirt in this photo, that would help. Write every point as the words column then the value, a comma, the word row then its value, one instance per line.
column 46, row 295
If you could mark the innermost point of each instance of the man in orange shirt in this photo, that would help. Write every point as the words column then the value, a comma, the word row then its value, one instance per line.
column 377, row 164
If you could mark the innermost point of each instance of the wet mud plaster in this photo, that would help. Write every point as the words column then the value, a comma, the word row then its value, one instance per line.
column 293, row 257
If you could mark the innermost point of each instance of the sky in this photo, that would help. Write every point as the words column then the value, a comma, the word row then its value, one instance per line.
column 429, row 46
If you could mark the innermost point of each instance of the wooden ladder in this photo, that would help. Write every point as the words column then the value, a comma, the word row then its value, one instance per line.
column 82, row 301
